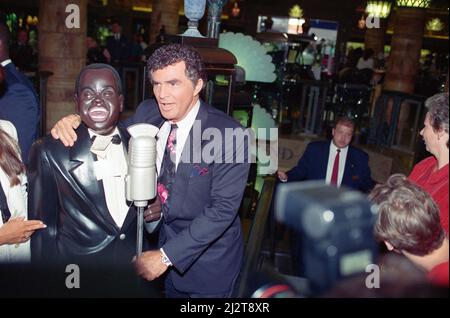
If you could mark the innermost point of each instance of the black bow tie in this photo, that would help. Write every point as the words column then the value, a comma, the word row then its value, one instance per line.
column 115, row 139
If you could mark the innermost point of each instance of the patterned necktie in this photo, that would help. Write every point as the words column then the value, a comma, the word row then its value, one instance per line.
column 168, row 169
column 334, row 175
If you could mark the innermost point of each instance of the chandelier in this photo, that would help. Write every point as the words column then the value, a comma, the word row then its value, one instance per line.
column 414, row 3
column 378, row 9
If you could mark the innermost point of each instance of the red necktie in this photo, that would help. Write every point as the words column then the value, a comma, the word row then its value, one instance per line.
column 334, row 175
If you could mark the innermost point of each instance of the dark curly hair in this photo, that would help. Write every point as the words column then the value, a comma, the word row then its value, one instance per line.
column 174, row 53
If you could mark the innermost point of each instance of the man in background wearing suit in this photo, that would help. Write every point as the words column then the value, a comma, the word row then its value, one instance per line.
column 80, row 191
column 118, row 46
column 19, row 104
column 335, row 161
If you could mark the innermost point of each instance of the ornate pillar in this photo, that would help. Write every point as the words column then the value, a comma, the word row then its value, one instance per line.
column 378, row 11
column 164, row 12
column 375, row 38
column 62, row 51
column 403, row 62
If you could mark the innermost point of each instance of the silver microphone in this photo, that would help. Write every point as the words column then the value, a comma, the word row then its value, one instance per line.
column 140, row 181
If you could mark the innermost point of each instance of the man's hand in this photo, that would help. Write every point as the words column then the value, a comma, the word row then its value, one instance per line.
column 64, row 129
column 153, row 211
column 282, row 176
column 149, row 265
column 18, row 230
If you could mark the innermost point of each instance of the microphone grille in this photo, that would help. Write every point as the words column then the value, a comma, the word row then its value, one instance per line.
column 142, row 151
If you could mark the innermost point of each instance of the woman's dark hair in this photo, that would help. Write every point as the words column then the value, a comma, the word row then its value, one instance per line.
column 10, row 161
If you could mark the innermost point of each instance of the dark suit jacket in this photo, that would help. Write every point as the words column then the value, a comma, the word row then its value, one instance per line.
column 65, row 195
column 201, row 234
column 20, row 105
column 119, row 49
column 313, row 166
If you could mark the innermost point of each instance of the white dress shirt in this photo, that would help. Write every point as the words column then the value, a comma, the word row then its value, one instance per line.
column 16, row 198
column 184, row 127
column 331, row 158
column 111, row 167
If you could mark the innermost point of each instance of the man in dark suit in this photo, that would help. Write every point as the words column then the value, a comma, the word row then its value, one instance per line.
column 335, row 161
column 201, row 238
column 19, row 104
column 22, row 53
column 80, row 191
column 118, row 46
column 201, row 244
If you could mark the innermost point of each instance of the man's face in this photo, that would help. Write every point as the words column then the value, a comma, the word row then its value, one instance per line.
column 342, row 135
column 174, row 91
column 115, row 28
column 99, row 102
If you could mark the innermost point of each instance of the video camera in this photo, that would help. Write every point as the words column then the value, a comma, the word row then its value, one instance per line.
column 334, row 227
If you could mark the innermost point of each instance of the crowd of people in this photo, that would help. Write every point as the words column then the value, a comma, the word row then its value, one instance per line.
column 413, row 211
column 117, row 50
column 75, row 210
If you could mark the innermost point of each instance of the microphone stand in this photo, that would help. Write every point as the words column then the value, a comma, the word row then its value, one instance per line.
column 141, row 177
column 140, row 205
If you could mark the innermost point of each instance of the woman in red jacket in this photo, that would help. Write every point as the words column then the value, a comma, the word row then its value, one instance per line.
column 432, row 173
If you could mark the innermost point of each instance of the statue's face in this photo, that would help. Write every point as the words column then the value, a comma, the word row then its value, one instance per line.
column 99, row 102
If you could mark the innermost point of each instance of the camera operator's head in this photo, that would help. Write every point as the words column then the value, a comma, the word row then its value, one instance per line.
column 409, row 223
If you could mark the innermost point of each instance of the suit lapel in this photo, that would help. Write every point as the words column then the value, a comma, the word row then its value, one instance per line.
column 347, row 177
column 82, row 170
column 326, row 154
column 191, row 150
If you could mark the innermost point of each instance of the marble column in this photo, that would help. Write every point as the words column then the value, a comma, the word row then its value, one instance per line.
column 62, row 51
column 164, row 12
column 375, row 38
column 403, row 62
